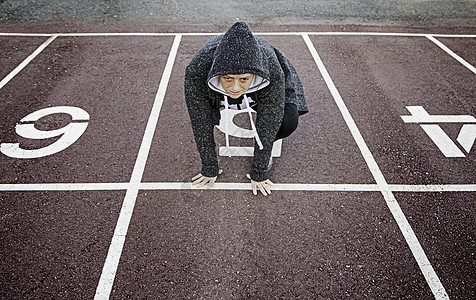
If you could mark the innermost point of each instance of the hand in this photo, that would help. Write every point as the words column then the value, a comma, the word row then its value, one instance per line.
column 204, row 181
column 263, row 186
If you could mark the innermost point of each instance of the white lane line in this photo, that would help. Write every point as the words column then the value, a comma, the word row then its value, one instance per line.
column 277, row 187
column 108, row 274
column 92, row 34
column 428, row 272
column 110, row 186
column 25, row 34
column 323, row 187
column 433, row 188
column 450, row 52
column 315, row 187
column 26, row 61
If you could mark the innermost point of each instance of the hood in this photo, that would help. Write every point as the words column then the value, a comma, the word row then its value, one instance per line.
column 238, row 53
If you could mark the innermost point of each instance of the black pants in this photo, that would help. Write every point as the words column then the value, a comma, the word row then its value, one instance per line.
column 290, row 121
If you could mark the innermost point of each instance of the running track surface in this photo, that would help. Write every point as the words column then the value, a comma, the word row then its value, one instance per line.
column 374, row 192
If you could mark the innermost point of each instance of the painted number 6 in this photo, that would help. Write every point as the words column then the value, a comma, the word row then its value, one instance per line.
column 69, row 133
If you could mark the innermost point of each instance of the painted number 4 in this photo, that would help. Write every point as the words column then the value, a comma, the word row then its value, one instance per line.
column 429, row 123
column 68, row 134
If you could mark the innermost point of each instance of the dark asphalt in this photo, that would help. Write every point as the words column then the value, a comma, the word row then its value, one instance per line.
column 439, row 13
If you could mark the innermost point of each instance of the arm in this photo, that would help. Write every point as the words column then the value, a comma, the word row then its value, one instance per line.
column 293, row 87
column 200, row 110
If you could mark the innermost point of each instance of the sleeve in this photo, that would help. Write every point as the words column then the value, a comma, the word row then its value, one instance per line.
column 293, row 87
column 200, row 109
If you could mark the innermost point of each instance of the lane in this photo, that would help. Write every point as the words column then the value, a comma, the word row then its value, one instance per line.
column 379, row 78
column 381, row 68
column 320, row 151
column 230, row 244
column 412, row 241
column 112, row 79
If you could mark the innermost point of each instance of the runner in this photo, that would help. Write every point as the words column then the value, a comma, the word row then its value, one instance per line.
column 240, row 71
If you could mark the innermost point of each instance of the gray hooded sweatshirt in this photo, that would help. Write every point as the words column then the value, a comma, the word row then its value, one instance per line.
column 275, row 83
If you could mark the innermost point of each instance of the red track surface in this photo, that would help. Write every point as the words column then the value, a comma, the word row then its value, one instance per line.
column 366, row 205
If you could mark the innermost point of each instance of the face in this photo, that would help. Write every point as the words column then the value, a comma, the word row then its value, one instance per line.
column 236, row 85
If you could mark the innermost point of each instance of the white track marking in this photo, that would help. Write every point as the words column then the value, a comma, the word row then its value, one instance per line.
column 442, row 140
column 418, row 253
column 110, row 186
column 433, row 188
column 467, row 136
column 108, row 274
column 323, row 187
column 67, row 134
column 454, row 55
column 92, row 34
column 27, row 61
column 420, row 115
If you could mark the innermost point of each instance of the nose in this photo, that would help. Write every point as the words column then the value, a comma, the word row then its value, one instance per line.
column 236, row 85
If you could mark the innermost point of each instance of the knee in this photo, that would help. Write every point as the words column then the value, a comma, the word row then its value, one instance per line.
column 290, row 121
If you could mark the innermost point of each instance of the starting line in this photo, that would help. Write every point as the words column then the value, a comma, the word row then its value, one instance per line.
column 304, row 187
column 135, row 184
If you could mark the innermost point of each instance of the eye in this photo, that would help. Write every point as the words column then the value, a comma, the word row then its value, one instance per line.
column 227, row 78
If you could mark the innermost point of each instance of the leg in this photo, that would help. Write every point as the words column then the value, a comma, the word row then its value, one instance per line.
column 290, row 121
